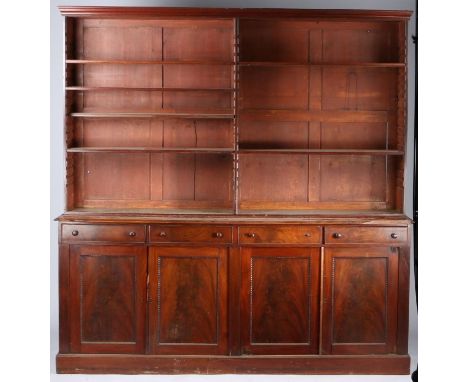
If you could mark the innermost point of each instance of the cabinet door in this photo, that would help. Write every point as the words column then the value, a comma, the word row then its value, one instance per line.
column 360, row 300
column 108, row 299
column 279, row 300
column 188, row 300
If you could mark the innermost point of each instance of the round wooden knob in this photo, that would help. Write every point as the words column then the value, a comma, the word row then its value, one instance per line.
column 337, row 235
column 251, row 234
column 132, row 234
column 219, row 234
column 394, row 236
column 307, row 234
column 163, row 234
column 75, row 232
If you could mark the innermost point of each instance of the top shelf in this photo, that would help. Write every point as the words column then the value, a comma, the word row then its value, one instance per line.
column 241, row 63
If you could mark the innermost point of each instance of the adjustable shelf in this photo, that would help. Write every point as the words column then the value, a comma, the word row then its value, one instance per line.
column 154, row 114
column 195, row 150
column 123, row 88
column 149, row 62
column 321, row 151
column 325, row 64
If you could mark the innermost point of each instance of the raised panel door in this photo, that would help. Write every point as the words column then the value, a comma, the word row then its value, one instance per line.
column 279, row 300
column 360, row 300
column 108, row 299
column 188, row 300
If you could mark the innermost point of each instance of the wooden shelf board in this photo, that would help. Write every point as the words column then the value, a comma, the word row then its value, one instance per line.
column 150, row 62
column 151, row 215
column 230, row 150
column 321, row 151
column 195, row 150
column 314, row 212
column 103, row 88
column 241, row 63
column 155, row 211
column 326, row 64
column 159, row 114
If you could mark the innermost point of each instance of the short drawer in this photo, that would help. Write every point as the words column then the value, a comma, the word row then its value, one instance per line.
column 190, row 234
column 365, row 235
column 103, row 232
column 287, row 234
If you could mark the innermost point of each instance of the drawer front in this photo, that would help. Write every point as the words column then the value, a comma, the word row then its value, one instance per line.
column 365, row 235
column 190, row 234
column 102, row 232
column 290, row 234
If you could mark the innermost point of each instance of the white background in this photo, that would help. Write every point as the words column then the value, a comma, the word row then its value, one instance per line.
column 28, row 271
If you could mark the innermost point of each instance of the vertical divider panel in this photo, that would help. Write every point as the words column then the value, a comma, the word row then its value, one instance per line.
column 235, row 94
column 314, row 104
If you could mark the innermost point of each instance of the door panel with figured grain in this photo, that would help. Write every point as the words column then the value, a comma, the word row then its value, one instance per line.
column 279, row 300
column 188, row 309
column 360, row 300
column 107, row 285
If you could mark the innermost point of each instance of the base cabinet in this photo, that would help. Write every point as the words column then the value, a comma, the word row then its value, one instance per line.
column 360, row 300
column 236, row 299
column 107, row 298
column 280, row 300
column 188, row 300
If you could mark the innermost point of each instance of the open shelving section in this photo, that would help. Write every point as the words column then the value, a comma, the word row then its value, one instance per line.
column 207, row 115
column 321, row 115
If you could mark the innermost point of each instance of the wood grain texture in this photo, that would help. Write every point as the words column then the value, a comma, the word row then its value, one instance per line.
column 404, row 270
column 280, row 235
column 279, row 300
column 276, row 41
column 273, row 88
column 360, row 301
column 64, row 298
column 130, row 12
column 366, row 235
column 190, row 234
column 108, row 292
column 259, row 175
column 376, row 43
column 229, row 148
column 298, row 364
column 353, row 178
column 188, row 295
column 112, row 233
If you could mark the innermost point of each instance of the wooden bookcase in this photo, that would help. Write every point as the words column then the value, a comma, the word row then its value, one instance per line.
column 234, row 191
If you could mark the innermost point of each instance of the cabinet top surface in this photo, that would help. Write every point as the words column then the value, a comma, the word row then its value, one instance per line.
column 100, row 11
column 319, row 218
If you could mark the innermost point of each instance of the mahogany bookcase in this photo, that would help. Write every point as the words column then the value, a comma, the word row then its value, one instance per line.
column 234, row 191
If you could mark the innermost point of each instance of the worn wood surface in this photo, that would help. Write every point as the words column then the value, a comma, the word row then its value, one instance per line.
column 107, row 299
column 297, row 364
column 279, row 300
column 234, row 187
column 360, row 297
column 130, row 12
column 338, row 87
column 188, row 300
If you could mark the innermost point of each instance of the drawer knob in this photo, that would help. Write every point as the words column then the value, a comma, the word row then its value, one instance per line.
column 307, row 234
column 251, row 235
column 75, row 232
column 394, row 236
column 337, row 235
column 219, row 235
column 163, row 234
column 132, row 234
